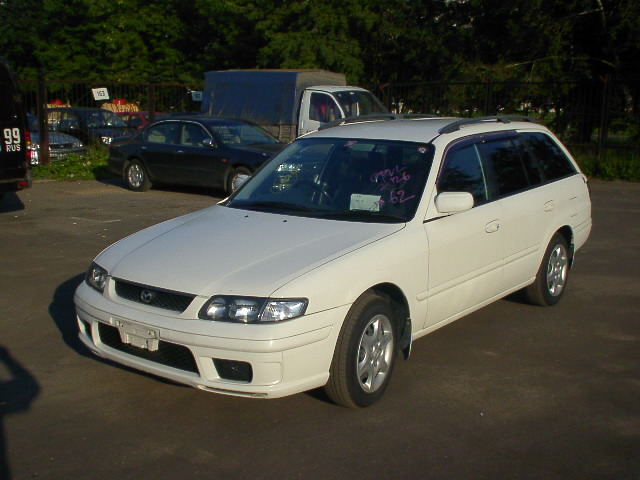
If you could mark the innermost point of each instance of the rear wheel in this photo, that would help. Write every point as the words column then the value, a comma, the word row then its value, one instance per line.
column 365, row 354
column 136, row 177
column 553, row 274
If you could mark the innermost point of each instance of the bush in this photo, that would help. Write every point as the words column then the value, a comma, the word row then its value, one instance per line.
column 616, row 164
column 92, row 166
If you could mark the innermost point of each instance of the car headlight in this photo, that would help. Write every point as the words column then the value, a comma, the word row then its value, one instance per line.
column 96, row 277
column 226, row 308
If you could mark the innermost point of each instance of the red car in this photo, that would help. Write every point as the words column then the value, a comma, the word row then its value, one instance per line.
column 137, row 120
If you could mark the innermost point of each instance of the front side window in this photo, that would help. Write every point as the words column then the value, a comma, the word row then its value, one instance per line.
column 163, row 133
column 341, row 179
column 323, row 108
column 193, row 135
column 463, row 171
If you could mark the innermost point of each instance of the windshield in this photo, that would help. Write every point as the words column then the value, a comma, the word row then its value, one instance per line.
column 241, row 134
column 343, row 179
column 103, row 119
column 359, row 102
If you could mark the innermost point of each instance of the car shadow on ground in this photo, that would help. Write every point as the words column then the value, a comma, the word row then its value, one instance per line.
column 212, row 192
column 63, row 313
column 10, row 202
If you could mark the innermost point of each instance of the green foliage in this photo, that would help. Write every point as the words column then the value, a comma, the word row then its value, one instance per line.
column 92, row 166
column 373, row 42
column 615, row 164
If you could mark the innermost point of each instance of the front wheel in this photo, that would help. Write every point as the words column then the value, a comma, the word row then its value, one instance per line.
column 233, row 178
column 136, row 177
column 553, row 274
column 365, row 354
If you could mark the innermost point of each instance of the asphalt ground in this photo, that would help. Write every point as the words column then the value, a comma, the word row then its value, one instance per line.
column 510, row 392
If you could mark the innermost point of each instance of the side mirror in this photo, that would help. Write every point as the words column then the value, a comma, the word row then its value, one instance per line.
column 454, row 202
column 209, row 142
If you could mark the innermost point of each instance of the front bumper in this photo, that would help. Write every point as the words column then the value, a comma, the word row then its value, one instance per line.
column 284, row 359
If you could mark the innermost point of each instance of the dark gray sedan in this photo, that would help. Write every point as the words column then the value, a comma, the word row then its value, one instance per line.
column 61, row 145
column 195, row 150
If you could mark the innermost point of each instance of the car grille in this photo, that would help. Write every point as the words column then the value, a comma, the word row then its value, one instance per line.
column 169, row 354
column 176, row 302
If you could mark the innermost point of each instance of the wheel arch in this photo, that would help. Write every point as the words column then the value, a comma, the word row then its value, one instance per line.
column 567, row 233
column 400, row 306
column 132, row 158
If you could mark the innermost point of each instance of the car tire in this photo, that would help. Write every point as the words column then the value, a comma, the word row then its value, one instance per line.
column 136, row 177
column 235, row 173
column 365, row 353
column 553, row 274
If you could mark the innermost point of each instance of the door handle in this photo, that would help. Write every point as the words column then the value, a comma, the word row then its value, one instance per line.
column 549, row 206
column 492, row 226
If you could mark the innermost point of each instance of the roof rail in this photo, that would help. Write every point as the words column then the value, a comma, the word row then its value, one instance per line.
column 375, row 117
column 456, row 124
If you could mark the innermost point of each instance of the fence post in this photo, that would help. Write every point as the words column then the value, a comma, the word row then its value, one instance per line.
column 152, row 101
column 488, row 98
column 43, row 124
column 604, row 123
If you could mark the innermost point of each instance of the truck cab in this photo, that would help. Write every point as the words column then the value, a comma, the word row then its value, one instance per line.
column 326, row 103
column 287, row 103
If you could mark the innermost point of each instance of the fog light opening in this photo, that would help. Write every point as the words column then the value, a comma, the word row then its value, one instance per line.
column 233, row 370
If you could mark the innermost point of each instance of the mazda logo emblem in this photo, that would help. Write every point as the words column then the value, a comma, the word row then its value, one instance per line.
column 147, row 296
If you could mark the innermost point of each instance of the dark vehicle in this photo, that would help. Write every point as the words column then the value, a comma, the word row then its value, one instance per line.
column 15, row 170
column 201, row 151
column 91, row 125
column 60, row 144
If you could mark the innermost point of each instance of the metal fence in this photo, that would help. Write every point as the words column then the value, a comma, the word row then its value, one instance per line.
column 149, row 96
column 597, row 116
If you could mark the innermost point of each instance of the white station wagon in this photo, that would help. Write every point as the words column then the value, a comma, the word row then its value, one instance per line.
column 354, row 241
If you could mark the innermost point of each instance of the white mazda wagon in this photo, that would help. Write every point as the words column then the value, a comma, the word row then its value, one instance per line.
column 323, row 267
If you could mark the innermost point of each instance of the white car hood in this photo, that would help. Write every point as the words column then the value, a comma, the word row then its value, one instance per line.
column 224, row 250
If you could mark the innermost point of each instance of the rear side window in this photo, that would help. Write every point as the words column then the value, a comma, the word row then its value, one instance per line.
column 505, row 162
column 552, row 160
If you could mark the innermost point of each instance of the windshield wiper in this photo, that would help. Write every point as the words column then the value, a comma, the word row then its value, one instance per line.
column 280, row 206
column 364, row 215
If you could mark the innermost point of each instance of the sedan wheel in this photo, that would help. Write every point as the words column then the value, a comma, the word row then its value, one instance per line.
column 136, row 177
column 233, row 178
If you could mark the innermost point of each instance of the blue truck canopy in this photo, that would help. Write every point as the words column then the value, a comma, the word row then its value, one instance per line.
column 265, row 97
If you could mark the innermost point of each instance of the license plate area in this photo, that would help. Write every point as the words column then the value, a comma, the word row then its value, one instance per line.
column 138, row 335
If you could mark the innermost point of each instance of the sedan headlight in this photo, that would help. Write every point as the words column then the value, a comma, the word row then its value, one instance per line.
column 96, row 277
column 226, row 308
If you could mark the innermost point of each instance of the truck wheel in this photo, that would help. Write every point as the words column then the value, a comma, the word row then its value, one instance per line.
column 233, row 176
column 365, row 354
column 553, row 274
column 136, row 177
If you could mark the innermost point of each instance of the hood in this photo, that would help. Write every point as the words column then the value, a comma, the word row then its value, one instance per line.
column 56, row 139
column 229, row 251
